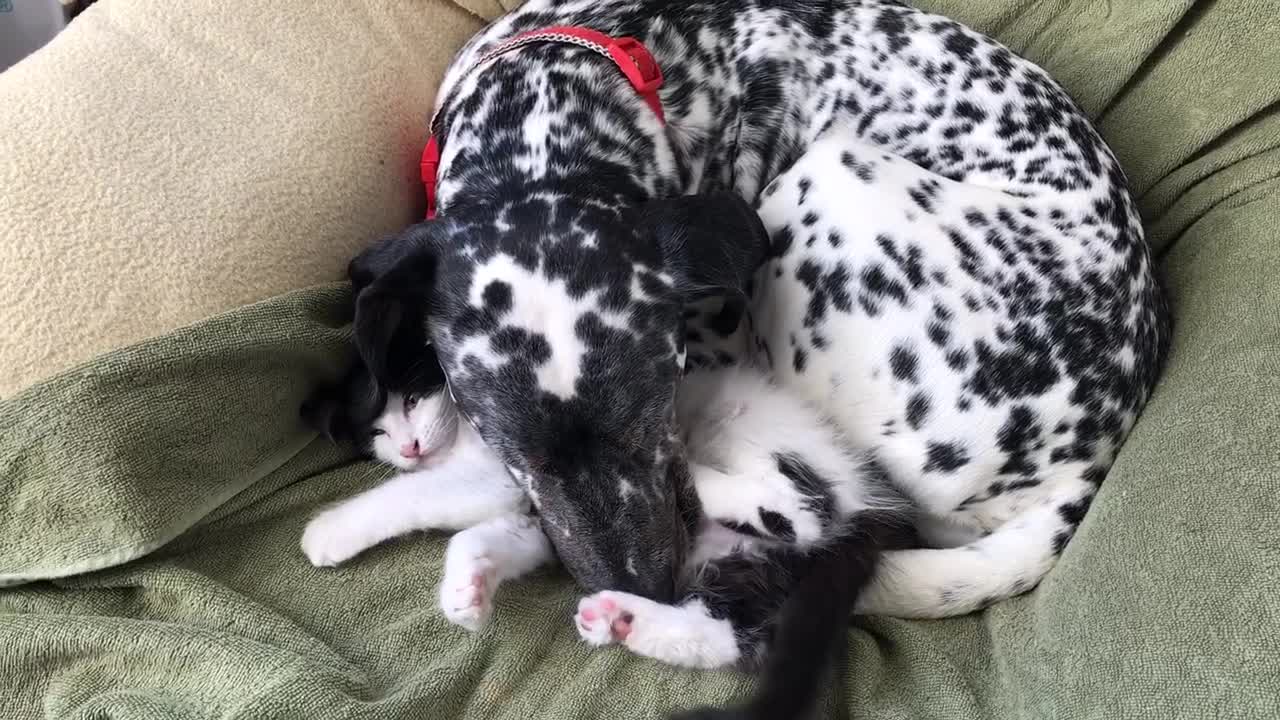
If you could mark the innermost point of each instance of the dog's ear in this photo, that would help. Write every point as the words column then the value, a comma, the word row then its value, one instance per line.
column 379, row 258
column 711, row 243
column 392, row 305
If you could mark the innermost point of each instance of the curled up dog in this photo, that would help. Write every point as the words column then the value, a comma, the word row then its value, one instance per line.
column 951, row 269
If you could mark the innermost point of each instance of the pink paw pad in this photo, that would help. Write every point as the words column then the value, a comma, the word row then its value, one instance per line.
column 601, row 620
column 622, row 627
column 479, row 584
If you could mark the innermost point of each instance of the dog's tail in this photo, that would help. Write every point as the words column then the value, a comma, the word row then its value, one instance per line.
column 812, row 623
column 929, row 583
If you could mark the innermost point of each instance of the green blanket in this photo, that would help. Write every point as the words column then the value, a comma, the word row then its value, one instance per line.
column 151, row 502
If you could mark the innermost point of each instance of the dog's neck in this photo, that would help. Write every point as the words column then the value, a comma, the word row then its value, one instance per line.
column 551, row 124
column 557, row 121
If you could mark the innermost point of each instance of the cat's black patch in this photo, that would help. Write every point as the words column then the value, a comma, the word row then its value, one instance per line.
column 777, row 525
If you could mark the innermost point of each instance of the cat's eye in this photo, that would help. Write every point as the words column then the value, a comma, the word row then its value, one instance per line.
column 376, row 432
column 410, row 402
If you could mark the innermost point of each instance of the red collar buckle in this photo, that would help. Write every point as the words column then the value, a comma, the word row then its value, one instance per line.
column 649, row 75
column 636, row 62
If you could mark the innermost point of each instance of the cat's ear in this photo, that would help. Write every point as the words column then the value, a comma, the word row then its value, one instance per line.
column 324, row 412
column 394, row 281
column 342, row 410
column 711, row 243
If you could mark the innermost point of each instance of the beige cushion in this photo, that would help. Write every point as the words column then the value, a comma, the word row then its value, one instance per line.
column 163, row 161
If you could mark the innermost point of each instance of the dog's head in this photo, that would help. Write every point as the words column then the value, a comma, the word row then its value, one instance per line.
column 564, row 350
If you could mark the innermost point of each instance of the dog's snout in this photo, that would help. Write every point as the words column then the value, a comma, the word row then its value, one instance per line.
column 656, row 582
column 651, row 575
column 629, row 550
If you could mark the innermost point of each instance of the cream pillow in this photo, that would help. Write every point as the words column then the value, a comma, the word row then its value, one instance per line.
column 161, row 162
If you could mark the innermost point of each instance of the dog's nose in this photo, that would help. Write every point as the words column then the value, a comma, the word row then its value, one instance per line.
column 410, row 450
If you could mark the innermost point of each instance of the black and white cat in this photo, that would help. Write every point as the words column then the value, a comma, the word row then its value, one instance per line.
column 774, row 478
column 450, row 481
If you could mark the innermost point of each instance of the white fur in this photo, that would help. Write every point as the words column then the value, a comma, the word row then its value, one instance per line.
column 483, row 556
column 465, row 487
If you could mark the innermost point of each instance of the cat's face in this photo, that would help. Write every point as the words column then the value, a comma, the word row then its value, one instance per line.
column 413, row 429
column 407, row 429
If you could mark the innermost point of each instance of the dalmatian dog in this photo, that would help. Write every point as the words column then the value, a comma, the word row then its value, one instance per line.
column 954, row 271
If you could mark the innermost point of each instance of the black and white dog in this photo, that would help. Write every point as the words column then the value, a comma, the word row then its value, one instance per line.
column 956, row 273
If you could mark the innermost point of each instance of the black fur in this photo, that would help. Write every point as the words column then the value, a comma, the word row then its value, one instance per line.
column 797, row 603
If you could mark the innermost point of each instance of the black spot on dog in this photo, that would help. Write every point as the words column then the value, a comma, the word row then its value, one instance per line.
column 921, row 199
column 894, row 27
column 497, row 297
column 938, row 333
column 911, row 262
column 1022, row 366
column 917, row 410
column 877, row 285
column 1072, row 514
column 1017, row 438
column 827, row 289
column 903, row 362
column 967, row 110
column 945, row 457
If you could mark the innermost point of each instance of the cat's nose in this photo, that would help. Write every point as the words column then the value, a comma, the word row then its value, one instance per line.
column 410, row 450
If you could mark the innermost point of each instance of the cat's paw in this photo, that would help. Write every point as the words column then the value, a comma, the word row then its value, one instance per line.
column 601, row 619
column 330, row 540
column 466, row 593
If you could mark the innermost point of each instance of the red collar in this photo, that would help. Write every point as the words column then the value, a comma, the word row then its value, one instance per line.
column 632, row 58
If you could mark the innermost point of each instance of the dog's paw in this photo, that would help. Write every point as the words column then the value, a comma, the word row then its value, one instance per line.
column 329, row 540
column 466, row 593
column 601, row 619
